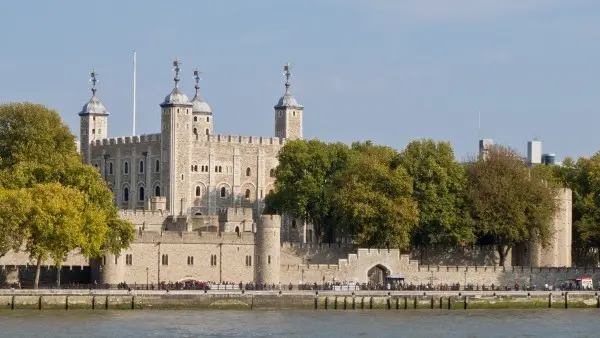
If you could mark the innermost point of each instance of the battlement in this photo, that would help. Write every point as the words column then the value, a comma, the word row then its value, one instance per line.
column 235, row 214
column 194, row 237
column 378, row 252
column 503, row 269
column 269, row 221
column 292, row 245
column 242, row 139
column 142, row 212
column 150, row 138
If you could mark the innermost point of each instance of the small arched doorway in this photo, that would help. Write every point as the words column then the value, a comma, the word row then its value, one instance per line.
column 377, row 274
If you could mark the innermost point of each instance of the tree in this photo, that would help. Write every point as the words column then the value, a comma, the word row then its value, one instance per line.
column 373, row 197
column 439, row 184
column 508, row 202
column 55, row 223
column 38, row 150
column 14, row 205
column 303, row 183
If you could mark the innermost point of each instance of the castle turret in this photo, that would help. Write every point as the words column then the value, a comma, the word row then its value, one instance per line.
column 93, row 123
column 176, row 142
column 288, row 113
column 268, row 249
column 203, row 119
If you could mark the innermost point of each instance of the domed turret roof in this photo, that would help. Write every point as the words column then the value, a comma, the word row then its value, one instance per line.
column 199, row 106
column 94, row 106
column 287, row 100
column 176, row 96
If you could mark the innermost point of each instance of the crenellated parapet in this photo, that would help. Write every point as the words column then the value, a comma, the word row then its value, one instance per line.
column 237, row 139
column 194, row 237
column 141, row 139
column 235, row 214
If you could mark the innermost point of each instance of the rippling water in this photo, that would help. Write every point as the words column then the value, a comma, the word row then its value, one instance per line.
column 419, row 323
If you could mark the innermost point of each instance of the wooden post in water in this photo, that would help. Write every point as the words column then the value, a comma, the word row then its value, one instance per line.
column 432, row 301
column 326, row 301
column 466, row 302
column 133, row 302
column 40, row 303
column 449, row 303
column 405, row 303
column 67, row 303
column 415, row 303
column 93, row 302
column 550, row 300
column 566, row 300
column 441, row 303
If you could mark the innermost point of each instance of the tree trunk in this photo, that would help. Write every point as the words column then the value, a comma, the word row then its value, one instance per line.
column 58, row 269
column 501, row 253
column 36, row 282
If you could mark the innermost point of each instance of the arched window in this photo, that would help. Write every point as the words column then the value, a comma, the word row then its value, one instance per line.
column 247, row 194
column 220, row 169
column 126, row 194
column 272, row 172
column 192, row 167
column 195, row 131
column 208, row 119
column 237, row 230
column 195, row 120
column 197, row 191
column 196, row 168
column 126, row 168
column 110, row 168
column 206, row 131
column 141, row 193
column 157, row 191
column 223, row 192
column 248, row 171
column 157, row 166
column 141, row 167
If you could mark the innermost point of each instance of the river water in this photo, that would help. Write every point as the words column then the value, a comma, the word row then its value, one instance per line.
column 416, row 323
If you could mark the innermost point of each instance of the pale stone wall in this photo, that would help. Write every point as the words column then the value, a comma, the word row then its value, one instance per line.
column 267, row 249
column 314, row 253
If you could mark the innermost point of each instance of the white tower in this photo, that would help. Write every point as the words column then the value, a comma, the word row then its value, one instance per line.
column 288, row 113
column 176, row 141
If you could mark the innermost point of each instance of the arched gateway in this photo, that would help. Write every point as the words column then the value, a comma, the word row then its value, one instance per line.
column 377, row 274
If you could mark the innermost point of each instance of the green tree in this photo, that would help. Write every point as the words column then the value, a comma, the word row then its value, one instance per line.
column 36, row 149
column 14, row 205
column 509, row 203
column 303, row 183
column 55, row 223
column 373, row 197
column 439, row 184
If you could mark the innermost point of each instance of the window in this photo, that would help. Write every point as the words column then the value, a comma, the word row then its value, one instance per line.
column 157, row 166
column 272, row 173
column 270, row 191
column 220, row 169
column 195, row 120
column 223, row 192
column 248, row 171
column 190, row 260
column 197, row 191
column 165, row 259
column 128, row 259
column 269, row 259
column 93, row 131
column 141, row 195
column 247, row 194
column 126, row 168
column 195, row 131
column 110, row 168
column 141, row 167
column 216, row 169
column 293, row 224
column 207, row 131
column 192, row 167
column 237, row 230
column 248, row 260
column 213, row 260
column 196, row 168
column 157, row 191
column 126, row 194
column 94, row 118
column 208, row 119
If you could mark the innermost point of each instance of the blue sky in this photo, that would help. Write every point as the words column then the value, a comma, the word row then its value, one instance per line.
column 386, row 70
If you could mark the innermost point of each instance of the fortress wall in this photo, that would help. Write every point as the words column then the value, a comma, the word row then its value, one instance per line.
column 147, row 259
column 74, row 258
column 457, row 255
column 313, row 253
column 237, row 139
column 149, row 220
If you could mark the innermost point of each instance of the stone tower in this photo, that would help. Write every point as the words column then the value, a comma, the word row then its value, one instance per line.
column 93, row 123
column 268, row 247
column 203, row 119
column 288, row 113
column 176, row 142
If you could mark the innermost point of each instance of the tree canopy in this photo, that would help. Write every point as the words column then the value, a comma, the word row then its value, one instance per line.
column 509, row 203
column 42, row 176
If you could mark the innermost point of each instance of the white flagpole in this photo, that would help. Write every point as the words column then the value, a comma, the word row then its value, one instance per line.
column 134, row 79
